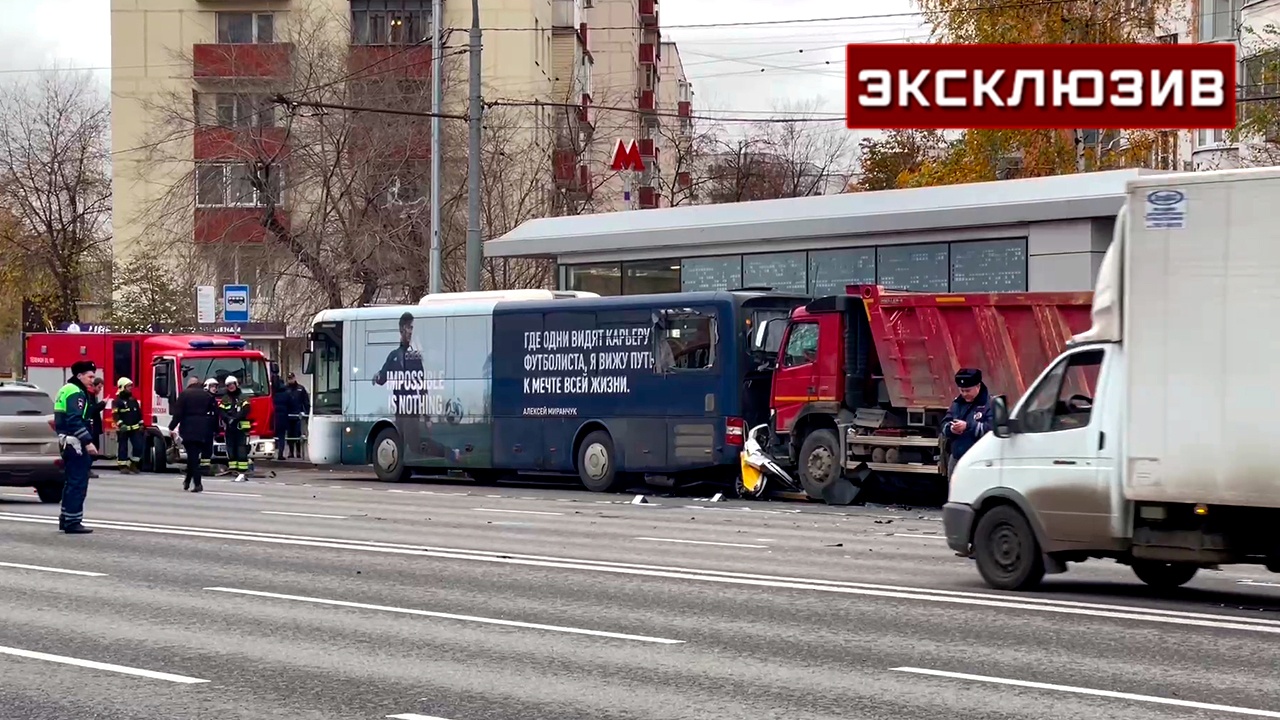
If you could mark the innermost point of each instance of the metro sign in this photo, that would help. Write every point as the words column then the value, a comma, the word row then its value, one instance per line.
column 626, row 156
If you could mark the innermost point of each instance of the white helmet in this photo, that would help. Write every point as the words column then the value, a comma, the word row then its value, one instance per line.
column 211, row 382
column 231, row 380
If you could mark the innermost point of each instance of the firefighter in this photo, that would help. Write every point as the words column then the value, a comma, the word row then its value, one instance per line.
column 126, row 413
column 234, row 408
column 73, row 423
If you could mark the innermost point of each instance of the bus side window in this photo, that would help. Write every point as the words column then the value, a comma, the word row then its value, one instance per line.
column 684, row 339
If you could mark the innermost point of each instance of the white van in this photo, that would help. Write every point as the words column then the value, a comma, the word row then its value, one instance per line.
column 1153, row 439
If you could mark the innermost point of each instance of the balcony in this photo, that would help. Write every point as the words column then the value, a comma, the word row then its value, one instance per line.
column 648, row 151
column 251, row 61
column 585, row 37
column 237, row 143
column 648, row 53
column 386, row 62
column 648, row 197
column 585, row 116
column 684, row 108
column 648, row 101
column 649, row 13
column 236, row 225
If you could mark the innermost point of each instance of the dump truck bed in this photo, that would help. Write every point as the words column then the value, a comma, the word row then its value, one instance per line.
column 923, row 338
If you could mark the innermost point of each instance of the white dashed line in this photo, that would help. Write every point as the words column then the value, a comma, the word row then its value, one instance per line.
column 310, row 515
column 63, row 660
column 42, row 568
column 517, row 512
column 700, row 542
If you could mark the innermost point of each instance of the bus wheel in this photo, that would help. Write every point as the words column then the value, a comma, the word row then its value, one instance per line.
column 388, row 456
column 596, row 464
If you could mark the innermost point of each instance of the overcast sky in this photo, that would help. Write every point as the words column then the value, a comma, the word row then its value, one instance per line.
column 750, row 69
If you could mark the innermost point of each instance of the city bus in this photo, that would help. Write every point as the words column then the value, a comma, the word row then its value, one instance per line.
column 616, row 389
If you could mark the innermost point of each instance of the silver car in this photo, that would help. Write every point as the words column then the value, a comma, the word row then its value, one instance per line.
column 29, row 454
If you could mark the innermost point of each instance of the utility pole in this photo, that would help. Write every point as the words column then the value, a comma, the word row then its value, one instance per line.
column 476, row 114
column 437, row 102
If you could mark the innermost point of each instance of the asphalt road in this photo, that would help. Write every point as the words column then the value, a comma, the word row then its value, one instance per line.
column 315, row 595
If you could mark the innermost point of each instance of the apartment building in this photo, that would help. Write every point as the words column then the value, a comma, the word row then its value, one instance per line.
column 675, row 139
column 215, row 65
column 628, row 73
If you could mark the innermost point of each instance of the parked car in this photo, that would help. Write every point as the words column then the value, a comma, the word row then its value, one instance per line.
column 29, row 454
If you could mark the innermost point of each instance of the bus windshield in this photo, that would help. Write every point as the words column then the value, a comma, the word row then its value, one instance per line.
column 251, row 372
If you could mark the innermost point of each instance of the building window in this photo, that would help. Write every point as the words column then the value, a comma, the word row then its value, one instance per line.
column 782, row 272
column 831, row 271
column 233, row 185
column 1260, row 76
column 1219, row 19
column 390, row 22
column 711, row 273
column 244, row 28
column 1211, row 138
column 989, row 266
column 645, row 277
column 601, row 278
column 235, row 110
column 915, row 268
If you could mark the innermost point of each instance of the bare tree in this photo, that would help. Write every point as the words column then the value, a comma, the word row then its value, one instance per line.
column 55, row 185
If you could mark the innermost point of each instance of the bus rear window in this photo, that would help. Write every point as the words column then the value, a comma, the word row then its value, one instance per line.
column 686, row 340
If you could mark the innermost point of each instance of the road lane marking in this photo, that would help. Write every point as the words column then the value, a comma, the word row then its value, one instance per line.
column 21, row 495
column 1257, row 583
column 94, row 665
column 700, row 542
column 414, row 716
column 926, row 537
column 216, row 492
column 450, row 616
column 51, row 569
column 1067, row 607
column 310, row 515
column 517, row 512
column 1091, row 691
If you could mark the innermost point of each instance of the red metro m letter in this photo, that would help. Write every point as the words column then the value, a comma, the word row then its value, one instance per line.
column 626, row 156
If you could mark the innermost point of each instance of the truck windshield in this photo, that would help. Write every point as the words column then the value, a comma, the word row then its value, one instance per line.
column 251, row 372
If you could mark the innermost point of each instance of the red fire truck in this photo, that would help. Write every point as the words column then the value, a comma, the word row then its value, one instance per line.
column 159, row 366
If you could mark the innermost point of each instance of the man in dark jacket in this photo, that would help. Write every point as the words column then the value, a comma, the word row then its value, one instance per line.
column 196, row 413
column 281, row 402
column 126, row 413
column 969, row 417
column 96, row 407
column 299, row 407
column 234, row 410
column 72, row 422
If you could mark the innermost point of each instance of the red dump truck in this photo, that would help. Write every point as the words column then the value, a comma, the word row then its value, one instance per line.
column 863, row 380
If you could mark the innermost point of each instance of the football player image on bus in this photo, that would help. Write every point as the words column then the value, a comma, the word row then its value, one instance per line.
column 403, row 370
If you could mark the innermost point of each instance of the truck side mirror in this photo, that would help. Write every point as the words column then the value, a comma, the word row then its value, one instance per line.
column 308, row 363
column 161, row 384
column 1001, row 425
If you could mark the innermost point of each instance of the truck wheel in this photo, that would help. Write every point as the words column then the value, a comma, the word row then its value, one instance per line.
column 156, row 454
column 821, row 469
column 1162, row 575
column 1006, row 550
column 596, row 462
column 49, row 492
column 388, row 456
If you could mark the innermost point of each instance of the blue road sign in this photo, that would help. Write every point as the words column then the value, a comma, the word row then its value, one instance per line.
column 235, row 303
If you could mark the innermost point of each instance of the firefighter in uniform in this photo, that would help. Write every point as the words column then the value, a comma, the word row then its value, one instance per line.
column 234, row 408
column 72, row 421
column 126, row 413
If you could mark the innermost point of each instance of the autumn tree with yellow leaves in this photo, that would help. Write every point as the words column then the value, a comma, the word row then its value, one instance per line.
column 980, row 155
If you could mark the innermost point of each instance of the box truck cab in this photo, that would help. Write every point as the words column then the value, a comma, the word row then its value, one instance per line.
column 1150, row 440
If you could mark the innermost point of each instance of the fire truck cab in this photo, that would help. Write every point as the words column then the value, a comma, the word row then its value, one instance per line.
column 159, row 366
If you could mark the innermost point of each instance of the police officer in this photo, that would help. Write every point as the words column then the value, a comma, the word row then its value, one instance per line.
column 969, row 417
column 126, row 413
column 299, row 408
column 73, row 423
column 234, row 408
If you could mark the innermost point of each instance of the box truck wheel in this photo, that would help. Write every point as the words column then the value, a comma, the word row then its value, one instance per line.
column 1164, row 575
column 596, row 465
column 1006, row 550
column 388, row 456
column 156, row 452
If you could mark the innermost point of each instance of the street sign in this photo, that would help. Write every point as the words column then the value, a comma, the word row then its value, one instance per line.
column 626, row 156
column 235, row 303
column 206, row 304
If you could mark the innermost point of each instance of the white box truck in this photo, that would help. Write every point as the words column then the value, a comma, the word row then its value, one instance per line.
column 1153, row 439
